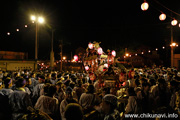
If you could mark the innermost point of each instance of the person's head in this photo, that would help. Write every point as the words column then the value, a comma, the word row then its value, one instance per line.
column 174, row 85
column 90, row 89
column 109, row 103
column 41, row 79
column 105, row 90
column 152, row 82
column 21, row 82
column 79, row 82
column 73, row 111
column 66, row 83
column 51, row 90
column 53, row 76
column 137, row 83
column 131, row 92
column 162, row 83
column 8, row 82
column 72, row 84
column 143, row 80
column 69, row 95
column 146, row 86
column 32, row 75
column 58, row 85
column 46, row 88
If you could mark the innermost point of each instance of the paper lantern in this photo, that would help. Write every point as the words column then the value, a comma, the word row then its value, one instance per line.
column 144, row 6
column 162, row 17
column 113, row 53
column 86, row 68
column 174, row 22
column 75, row 57
column 106, row 65
column 100, row 51
column 90, row 45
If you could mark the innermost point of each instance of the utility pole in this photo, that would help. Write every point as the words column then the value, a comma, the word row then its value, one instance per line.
column 52, row 52
column 61, row 46
column 172, row 51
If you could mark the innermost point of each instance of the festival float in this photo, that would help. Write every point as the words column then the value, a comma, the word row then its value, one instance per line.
column 99, row 64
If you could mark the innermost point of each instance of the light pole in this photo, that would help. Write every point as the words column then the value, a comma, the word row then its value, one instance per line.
column 37, row 21
column 61, row 53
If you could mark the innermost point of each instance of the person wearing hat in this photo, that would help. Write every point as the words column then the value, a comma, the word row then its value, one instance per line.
column 68, row 99
column 109, row 105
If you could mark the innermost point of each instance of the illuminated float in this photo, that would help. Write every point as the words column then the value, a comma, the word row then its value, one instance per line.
column 101, row 65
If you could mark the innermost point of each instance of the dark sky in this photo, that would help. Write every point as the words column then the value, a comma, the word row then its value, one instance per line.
column 116, row 24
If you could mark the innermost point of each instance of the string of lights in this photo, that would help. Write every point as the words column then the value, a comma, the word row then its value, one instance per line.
column 142, row 52
column 162, row 17
column 18, row 29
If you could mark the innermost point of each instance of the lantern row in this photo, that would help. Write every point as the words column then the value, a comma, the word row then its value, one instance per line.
column 149, row 51
column 17, row 30
column 162, row 17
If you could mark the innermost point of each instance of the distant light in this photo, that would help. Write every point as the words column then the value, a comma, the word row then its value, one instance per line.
column 25, row 26
column 156, row 49
column 163, row 47
column 174, row 45
column 8, row 33
column 149, row 51
column 162, row 17
column 17, row 30
column 135, row 54
column 144, row 6
column 179, row 24
column 127, row 54
column 142, row 52
column 174, row 22
column 64, row 58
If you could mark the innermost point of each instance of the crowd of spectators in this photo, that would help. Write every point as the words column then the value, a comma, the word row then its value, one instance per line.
column 43, row 95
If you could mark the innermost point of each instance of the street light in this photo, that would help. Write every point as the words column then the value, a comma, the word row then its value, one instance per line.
column 37, row 20
column 172, row 45
column 64, row 58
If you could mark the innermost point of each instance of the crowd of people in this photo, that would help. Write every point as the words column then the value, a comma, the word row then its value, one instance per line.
column 43, row 95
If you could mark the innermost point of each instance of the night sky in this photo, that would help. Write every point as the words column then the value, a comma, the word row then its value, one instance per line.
column 116, row 24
